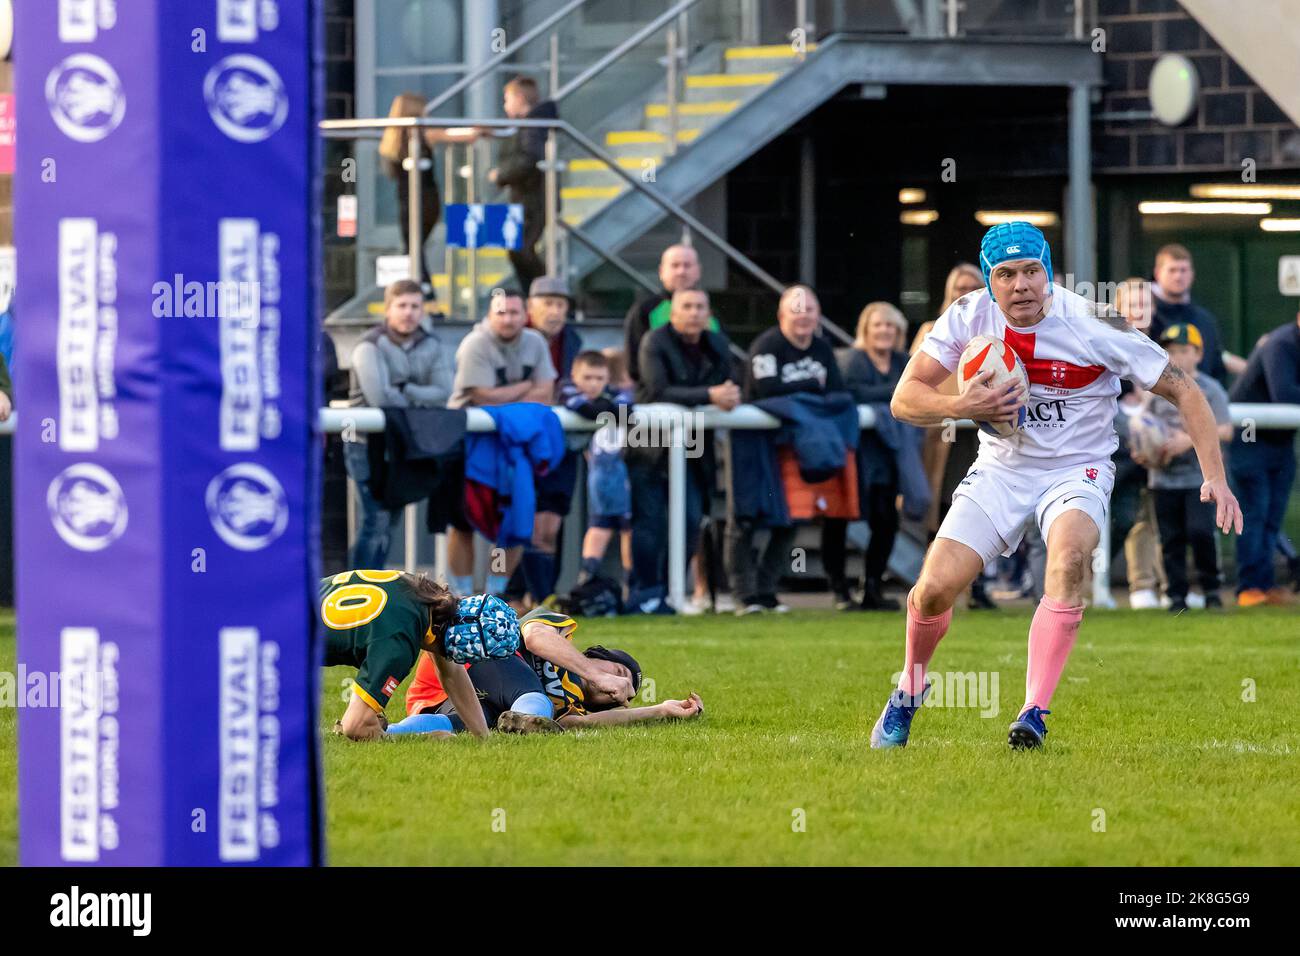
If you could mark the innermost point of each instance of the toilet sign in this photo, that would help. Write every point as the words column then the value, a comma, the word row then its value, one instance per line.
column 1288, row 275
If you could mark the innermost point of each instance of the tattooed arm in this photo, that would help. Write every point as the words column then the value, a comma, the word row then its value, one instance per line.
column 1198, row 422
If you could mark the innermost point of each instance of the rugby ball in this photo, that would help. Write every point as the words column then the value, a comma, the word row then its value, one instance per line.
column 984, row 353
column 1146, row 435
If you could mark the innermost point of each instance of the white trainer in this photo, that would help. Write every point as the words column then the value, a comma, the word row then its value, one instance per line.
column 1144, row 600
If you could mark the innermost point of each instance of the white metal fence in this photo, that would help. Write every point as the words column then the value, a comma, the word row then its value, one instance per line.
column 674, row 421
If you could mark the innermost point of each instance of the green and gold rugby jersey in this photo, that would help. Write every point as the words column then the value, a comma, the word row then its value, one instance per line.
column 374, row 623
column 563, row 688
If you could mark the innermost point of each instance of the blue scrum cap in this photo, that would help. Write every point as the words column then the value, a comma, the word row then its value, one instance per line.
column 1014, row 240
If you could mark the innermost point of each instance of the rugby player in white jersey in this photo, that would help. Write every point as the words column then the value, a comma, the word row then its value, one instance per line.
column 1056, row 467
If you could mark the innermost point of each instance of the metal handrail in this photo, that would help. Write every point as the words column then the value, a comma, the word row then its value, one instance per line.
column 350, row 128
column 347, row 129
column 476, row 74
column 613, row 258
column 651, row 28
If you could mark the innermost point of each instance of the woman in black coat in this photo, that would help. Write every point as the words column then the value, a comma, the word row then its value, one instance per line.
column 871, row 369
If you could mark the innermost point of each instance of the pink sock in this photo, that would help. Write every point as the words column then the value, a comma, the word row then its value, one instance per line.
column 923, row 636
column 1051, row 637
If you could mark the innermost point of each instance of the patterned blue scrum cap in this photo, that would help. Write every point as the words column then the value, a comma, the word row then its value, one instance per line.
column 1014, row 240
column 485, row 626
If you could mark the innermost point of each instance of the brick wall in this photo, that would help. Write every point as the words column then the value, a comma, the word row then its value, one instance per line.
column 1234, row 120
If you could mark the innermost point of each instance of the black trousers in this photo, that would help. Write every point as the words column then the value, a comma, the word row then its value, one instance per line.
column 1184, row 519
column 430, row 213
column 756, row 576
column 527, row 263
column 881, row 514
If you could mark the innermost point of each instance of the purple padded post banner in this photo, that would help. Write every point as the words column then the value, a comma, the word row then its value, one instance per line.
column 166, row 463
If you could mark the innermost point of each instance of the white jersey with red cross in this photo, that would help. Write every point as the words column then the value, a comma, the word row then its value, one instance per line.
column 1074, row 360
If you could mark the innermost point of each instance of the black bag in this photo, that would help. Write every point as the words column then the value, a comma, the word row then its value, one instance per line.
column 598, row 596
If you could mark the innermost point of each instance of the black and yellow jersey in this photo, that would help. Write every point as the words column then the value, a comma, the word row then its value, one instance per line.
column 563, row 688
column 373, row 622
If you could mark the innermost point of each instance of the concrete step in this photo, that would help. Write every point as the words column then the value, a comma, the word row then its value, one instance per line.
column 689, row 115
column 593, row 172
column 710, row 86
column 645, row 142
column 777, row 57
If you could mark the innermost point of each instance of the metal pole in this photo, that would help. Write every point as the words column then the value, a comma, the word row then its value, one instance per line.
column 448, row 252
column 555, row 63
column 808, row 212
column 470, row 156
column 410, row 517
column 414, row 203
column 801, row 27
column 1101, row 570
column 749, row 29
column 677, row 515
column 670, row 88
column 954, row 8
column 552, row 203
column 1081, row 217
column 1078, row 19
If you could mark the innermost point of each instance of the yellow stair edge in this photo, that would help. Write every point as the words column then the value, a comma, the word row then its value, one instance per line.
column 638, row 137
column 596, row 165
column 590, row 192
column 775, row 51
column 710, row 108
column 710, row 80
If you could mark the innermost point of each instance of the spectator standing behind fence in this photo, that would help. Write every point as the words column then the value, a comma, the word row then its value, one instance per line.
column 499, row 362
column 871, row 369
column 1263, row 463
column 549, row 303
column 679, row 268
column 684, row 363
column 1175, row 478
column 517, row 171
column 1174, row 275
column 396, row 365
column 1133, row 516
column 548, row 306
column 784, row 360
column 395, row 157
column 590, row 393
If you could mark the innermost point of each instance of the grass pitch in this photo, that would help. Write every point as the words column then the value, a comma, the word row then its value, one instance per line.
column 1154, row 755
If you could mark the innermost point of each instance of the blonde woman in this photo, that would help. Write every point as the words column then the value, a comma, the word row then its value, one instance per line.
column 870, row 370
column 394, row 154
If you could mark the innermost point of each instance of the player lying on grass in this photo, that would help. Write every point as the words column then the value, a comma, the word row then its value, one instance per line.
column 382, row 622
column 1056, row 467
column 531, row 693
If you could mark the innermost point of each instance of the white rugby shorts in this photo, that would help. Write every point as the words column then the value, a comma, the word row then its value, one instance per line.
column 990, row 506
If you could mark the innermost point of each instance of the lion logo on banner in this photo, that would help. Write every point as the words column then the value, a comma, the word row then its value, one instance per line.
column 85, row 98
column 247, row 507
column 246, row 98
column 87, row 507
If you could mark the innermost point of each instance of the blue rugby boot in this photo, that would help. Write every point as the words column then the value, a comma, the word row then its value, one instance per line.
column 895, row 722
column 1028, row 730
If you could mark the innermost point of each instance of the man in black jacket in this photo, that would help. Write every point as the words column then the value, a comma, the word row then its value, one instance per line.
column 517, row 170
column 684, row 363
column 679, row 268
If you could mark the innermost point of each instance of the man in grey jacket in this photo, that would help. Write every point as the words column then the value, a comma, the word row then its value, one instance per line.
column 397, row 365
